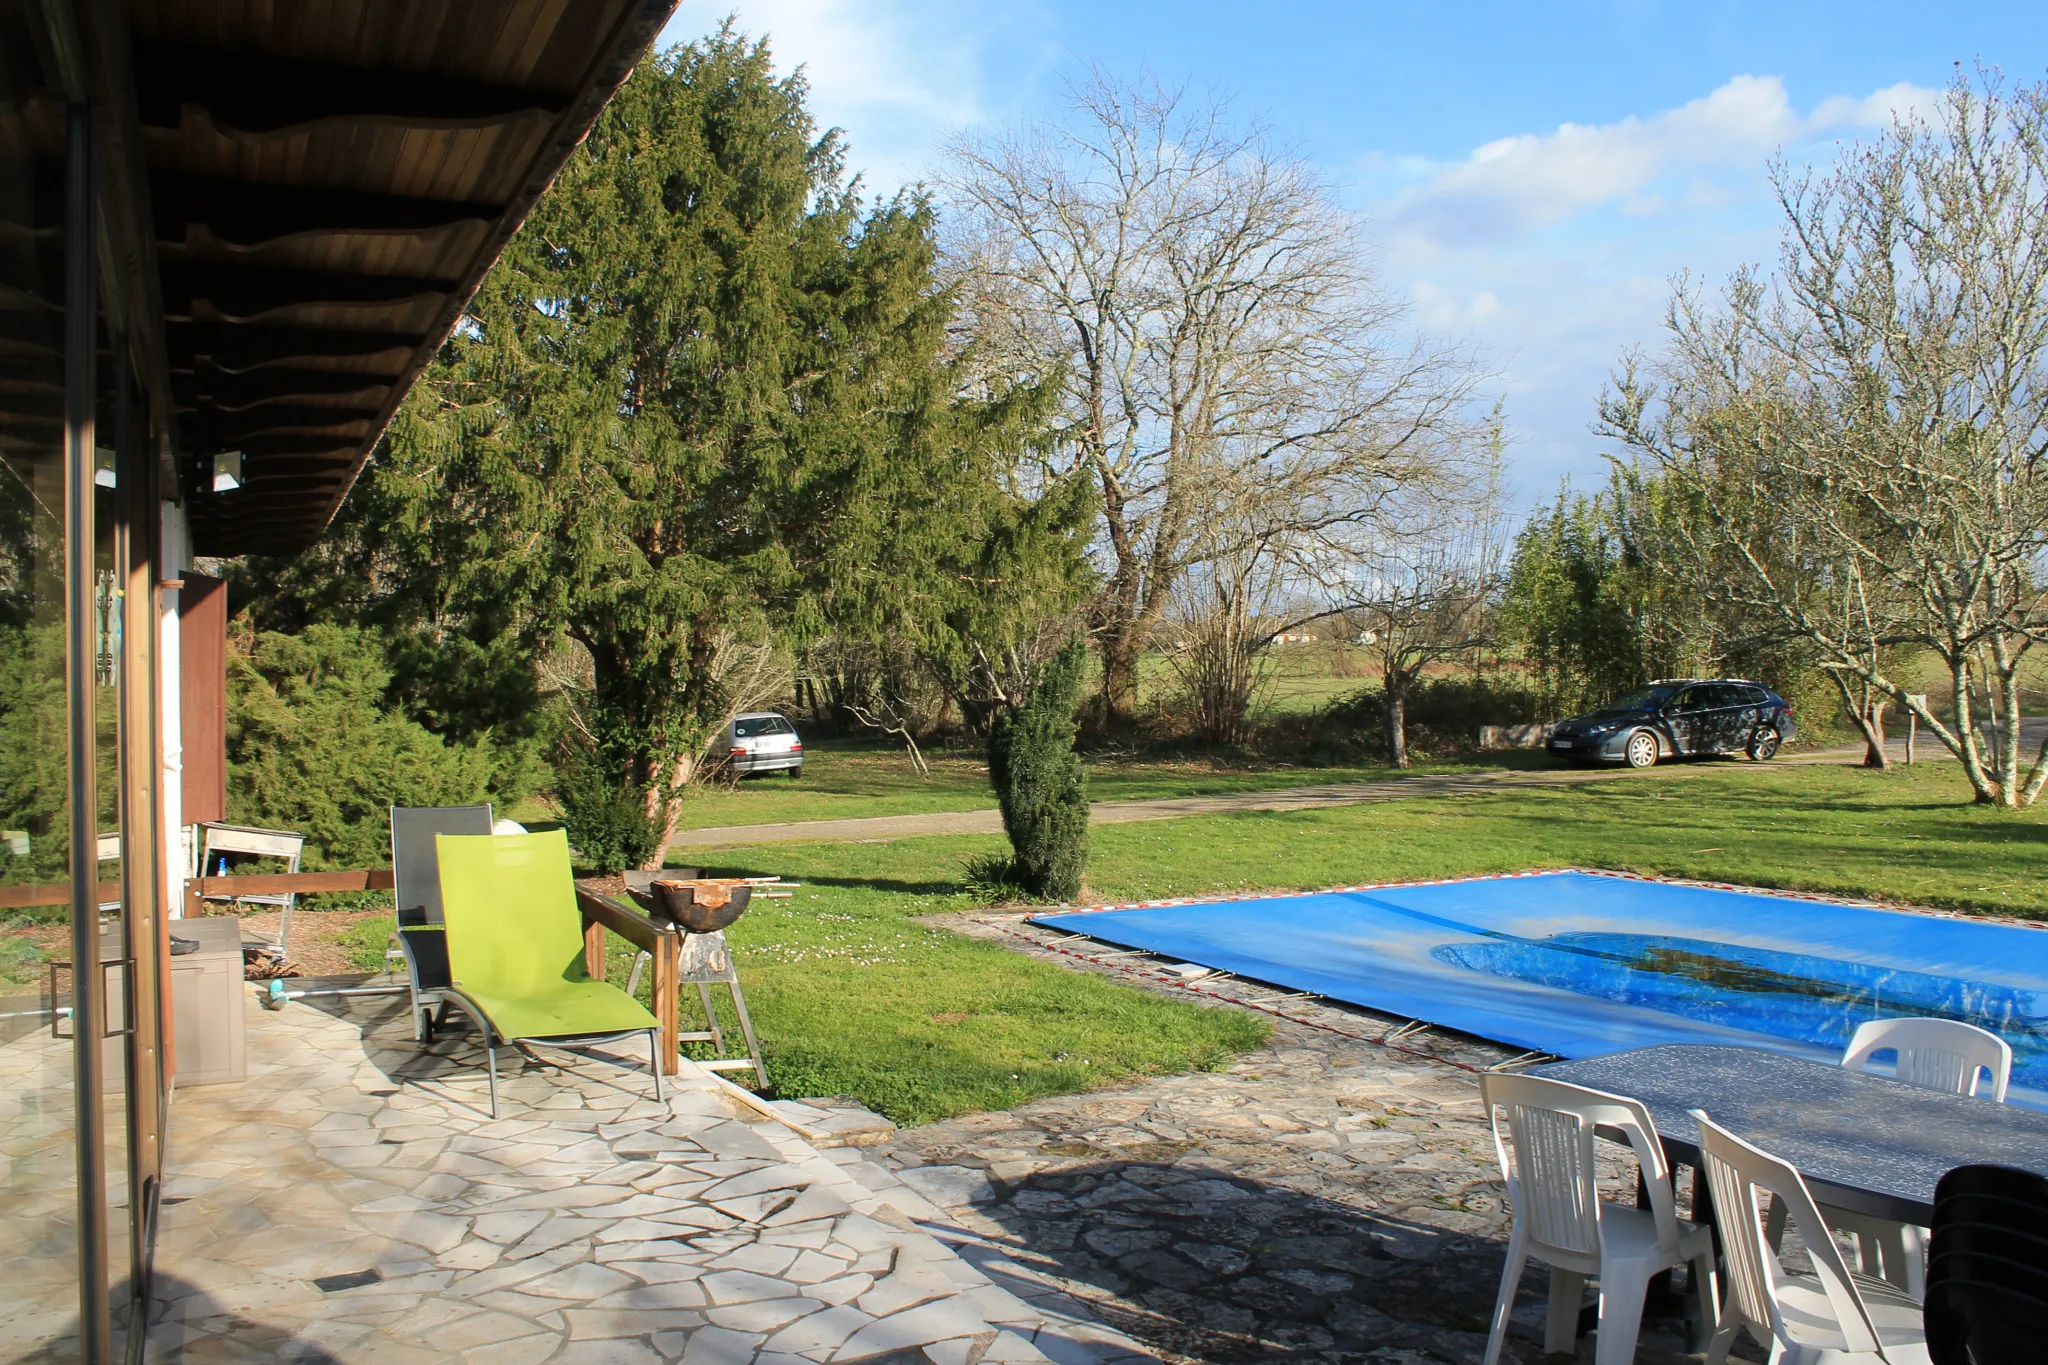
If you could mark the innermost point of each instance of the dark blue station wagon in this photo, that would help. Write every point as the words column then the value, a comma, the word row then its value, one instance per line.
column 1679, row 718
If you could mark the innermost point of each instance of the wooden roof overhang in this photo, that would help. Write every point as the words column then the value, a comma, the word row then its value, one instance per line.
column 327, row 181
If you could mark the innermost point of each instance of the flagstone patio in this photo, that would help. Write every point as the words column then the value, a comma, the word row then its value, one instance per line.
column 354, row 1202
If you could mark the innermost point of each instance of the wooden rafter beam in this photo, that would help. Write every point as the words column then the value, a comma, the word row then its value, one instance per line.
column 258, row 92
column 246, row 214
column 228, row 391
column 275, row 418
column 246, row 291
column 257, row 444
column 248, row 347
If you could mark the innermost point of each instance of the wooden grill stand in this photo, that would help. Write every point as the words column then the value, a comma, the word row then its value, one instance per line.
column 679, row 959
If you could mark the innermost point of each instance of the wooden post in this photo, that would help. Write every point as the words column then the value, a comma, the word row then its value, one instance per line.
column 1913, row 723
column 667, row 1004
column 658, row 941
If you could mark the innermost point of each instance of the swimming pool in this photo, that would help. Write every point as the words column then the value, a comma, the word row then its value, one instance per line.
column 1581, row 964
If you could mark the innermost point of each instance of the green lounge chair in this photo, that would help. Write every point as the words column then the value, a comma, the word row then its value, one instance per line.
column 515, row 950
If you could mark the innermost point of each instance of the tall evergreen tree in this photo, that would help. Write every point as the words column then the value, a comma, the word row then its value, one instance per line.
column 706, row 389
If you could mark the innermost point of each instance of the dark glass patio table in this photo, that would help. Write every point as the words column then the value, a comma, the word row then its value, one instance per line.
column 1864, row 1143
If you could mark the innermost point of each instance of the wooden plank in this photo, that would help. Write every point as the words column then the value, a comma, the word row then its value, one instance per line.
column 630, row 925
column 278, row 883
column 668, row 1002
column 32, row 894
column 203, row 696
column 593, row 950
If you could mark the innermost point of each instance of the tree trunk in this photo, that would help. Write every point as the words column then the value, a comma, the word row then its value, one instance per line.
column 1119, row 674
column 1397, row 721
column 664, row 809
column 1969, row 744
column 1871, row 722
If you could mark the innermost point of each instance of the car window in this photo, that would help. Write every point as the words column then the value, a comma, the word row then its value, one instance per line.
column 760, row 725
column 1721, row 694
column 1649, row 699
column 1691, row 699
column 1755, row 696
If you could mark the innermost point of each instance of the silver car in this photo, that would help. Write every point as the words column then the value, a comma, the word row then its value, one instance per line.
column 759, row 742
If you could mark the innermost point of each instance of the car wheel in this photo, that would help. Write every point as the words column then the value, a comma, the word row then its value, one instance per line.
column 796, row 772
column 1763, row 745
column 1641, row 751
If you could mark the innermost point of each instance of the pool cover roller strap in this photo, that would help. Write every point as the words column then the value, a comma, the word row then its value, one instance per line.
column 1582, row 964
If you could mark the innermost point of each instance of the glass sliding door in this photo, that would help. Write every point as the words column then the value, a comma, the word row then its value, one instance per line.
column 81, row 1078
column 39, row 1098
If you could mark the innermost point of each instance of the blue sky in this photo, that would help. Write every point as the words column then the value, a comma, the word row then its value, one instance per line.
column 1531, row 175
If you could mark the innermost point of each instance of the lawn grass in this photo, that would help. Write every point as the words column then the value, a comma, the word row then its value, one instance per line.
column 852, row 995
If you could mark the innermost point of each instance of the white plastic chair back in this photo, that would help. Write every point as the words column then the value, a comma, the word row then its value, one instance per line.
column 1553, row 1182
column 1937, row 1054
column 1739, row 1175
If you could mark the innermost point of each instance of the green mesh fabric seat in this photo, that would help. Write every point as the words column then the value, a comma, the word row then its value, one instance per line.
column 515, row 949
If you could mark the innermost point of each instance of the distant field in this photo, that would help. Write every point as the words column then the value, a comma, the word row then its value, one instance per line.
column 1302, row 677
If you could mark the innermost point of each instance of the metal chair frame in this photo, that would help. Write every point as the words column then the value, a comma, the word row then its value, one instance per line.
column 421, row 885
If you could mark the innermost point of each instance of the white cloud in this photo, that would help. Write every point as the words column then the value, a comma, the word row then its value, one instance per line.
column 1554, row 251
column 1516, row 184
column 896, row 75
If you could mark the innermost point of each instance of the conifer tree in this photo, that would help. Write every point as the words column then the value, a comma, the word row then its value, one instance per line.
column 705, row 390
column 1040, row 781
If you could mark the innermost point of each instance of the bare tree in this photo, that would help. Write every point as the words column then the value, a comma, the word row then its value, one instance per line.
column 1864, row 437
column 1224, row 628
column 1206, row 308
column 1425, row 590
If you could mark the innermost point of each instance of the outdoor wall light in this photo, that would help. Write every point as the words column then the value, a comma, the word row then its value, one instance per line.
column 103, row 466
column 227, row 471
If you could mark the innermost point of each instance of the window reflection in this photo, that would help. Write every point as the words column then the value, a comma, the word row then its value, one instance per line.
column 38, row 1164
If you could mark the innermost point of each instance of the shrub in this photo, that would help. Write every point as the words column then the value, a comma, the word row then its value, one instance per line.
column 991, row 878
column 605, row 815
column 313, row 746
column 1040, row 782
column 1444, row 714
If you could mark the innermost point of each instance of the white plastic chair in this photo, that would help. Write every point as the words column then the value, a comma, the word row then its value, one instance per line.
column 1937, row 1054
column 1831, row 1317
column 1560, row 1219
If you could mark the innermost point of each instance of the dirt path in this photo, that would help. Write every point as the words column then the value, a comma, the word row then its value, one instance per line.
column 1165, row 808
column 1284, row 799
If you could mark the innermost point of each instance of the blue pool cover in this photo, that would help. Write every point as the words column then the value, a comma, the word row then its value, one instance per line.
column 1581, row 964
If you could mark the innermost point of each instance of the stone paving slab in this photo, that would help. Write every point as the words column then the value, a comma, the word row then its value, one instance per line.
column 354, row 1202
column 1326, row 1198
